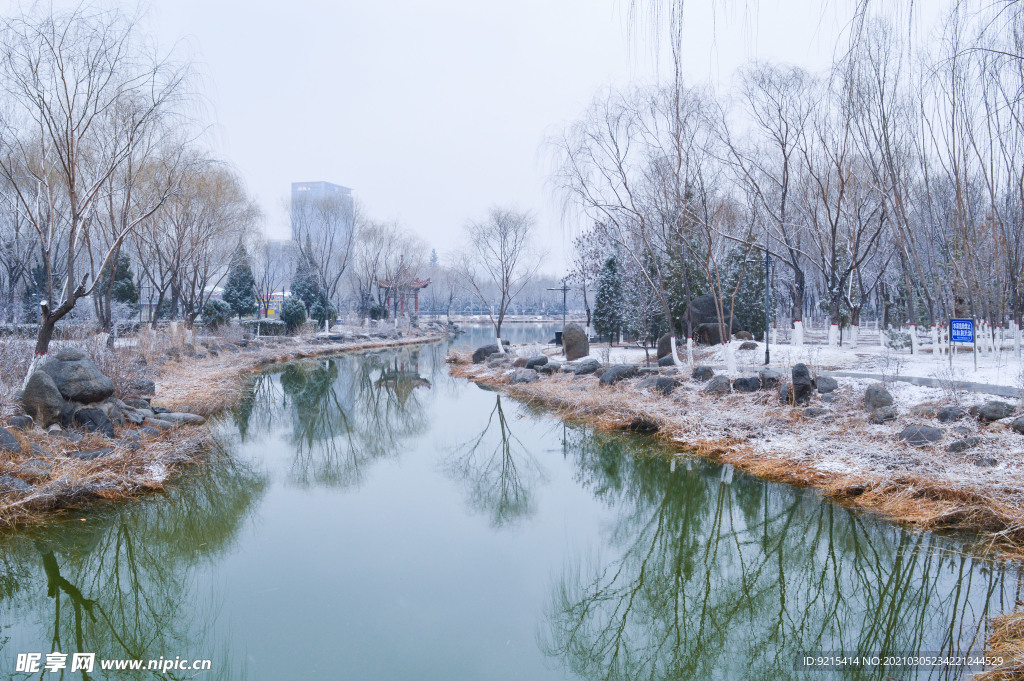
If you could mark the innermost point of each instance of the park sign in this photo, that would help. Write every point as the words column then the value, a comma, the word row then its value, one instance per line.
column 961, row 330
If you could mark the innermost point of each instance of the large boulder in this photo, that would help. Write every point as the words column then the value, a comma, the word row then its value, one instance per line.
column 94, row 421
column 702, row 373
column 536, row 362
column 665, row 347
column 142, row 386
column 919, row 436
column 575, row 342
column 993, row 410
column 586, row 366
column 949, row 414
column 770, row 378
column 719, row 385
column 700, row 321
column 614, row 374
column 42, row 399
column 747, row 384
column 77, row 377
column 876, row 396
column 802, row 386
column 827, row 384
column 482, row 353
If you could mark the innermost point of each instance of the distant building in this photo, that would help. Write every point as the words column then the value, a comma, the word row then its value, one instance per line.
column 321, row 206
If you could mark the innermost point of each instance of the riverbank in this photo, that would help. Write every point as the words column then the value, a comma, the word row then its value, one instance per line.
column 830, row 444
column 43, row 473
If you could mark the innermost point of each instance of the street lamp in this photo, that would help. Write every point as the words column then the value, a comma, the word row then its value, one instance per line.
column 565, row 290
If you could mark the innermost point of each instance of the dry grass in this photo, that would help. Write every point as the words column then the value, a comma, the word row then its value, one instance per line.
column 1005, row 641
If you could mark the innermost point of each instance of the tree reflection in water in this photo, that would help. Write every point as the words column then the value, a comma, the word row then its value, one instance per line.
column 122, row 584
column 731, row 581
column 497, row 470
column 342, row 413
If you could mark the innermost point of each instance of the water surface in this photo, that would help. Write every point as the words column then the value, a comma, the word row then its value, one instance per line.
column 378, row 519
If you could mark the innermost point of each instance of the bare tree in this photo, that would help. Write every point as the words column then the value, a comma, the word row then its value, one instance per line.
column 323, row 233
column 499, row 261
column 82, row 98
column 271, row 268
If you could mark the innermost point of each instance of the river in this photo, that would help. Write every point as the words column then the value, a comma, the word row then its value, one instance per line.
column 375, row 518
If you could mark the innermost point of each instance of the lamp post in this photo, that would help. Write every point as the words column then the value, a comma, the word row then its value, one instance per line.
column 565, row 291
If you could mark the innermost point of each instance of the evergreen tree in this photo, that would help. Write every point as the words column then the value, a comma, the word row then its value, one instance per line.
column 124, row 289
column 608, row 303
column 748, row 313
column 240, row 289
column 433, row 258
column 306, row 288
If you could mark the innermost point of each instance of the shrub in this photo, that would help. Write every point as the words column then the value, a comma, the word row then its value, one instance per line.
column 293, row 313
column 216, row 313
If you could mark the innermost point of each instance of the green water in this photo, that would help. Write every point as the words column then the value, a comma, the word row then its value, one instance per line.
column 378, row 519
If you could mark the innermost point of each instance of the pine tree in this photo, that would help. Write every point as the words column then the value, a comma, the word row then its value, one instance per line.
column 240, row 289
column 608, row 303
column 124, row 289
column 748, row 314
column 433, row 258
column 307, row 289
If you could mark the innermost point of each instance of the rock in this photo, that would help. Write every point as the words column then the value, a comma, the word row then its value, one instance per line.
column 962, row 431
column 993, row 410
column 11, row 485
column 829, row 397
column 131, row 435
column 550, row 368
column 719, row 385
column 877, row 396
column 40, row 451
column 94, row 421
column 495, row 363
column 949, row 414
column 136, row 403
column 785, row 394
column 1018, row 425
column 159, row 423
column 483, row 352
column 747, row 384
column 42, row 399
column 142, row 386
column 964, row 445
column 70, row 355
column 985, row 462
column 700, row 320
column 647, row 383
column 769, row 378
column 131, row 445
column 708, row 334
column 575, row 342
column 587, row 366
column 827, row 384
column 148, row 430
column 182, row 418
column 160, row 410
column 9, row 443
column 616, row 373
column 702, row 373
column 35, row 469
column 666, row 361
column 20, row 422
column 802, row 386
column 814, row 412
column 665, row 385
column 919, row 436
column 538, row 361
column 883, row 415
column 748, row 345
column 519, row 362
column 78, row 379
column 64, row 435
column 743, row 335
column 521, row 375
column 90, row 454
column 665, row 347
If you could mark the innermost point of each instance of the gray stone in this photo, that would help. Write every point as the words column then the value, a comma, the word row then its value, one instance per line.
column 20, row 422
column 483, row 352
column 538, row 361
column 519, row 362
column 11, row 485
column 647, row 383
column 142, row 386
column 70, row 355
column 160, row 410
column 64, row 435
column 78, row 379
column 665, row 385
column 587, row 366
column 666, row 361
column 35, row 469
column 829, row 397
column 719, row 385
column 159, row 423
column 42, row 399
column 748, row 345
column 94, row 421
column 802, row 387
column 964, row 445
column 664, row 347
column 616, row 373
column 883, row 415
column 769, row 378
column 814, row 412
column 9, row 443
column 949, row 414
column 521, row 375
column 550, row 368
column 985, row 462
column 131, row 435
column 919, row 436
column 877, row 396
column 1018, row 425
column 90, row 454
column 827, row 384
column 702, row 373
column 40, row 451
column 575, row 342
column 148, row 430
column 183, row 418
column 743, row 335
column 993, row 410
column 495, row 363
column 136, row 403
column 747, row 384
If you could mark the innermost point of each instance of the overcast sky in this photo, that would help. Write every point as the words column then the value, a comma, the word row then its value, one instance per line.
column 433, row 111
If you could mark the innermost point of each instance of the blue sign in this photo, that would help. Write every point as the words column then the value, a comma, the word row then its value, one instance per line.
column 961, row 330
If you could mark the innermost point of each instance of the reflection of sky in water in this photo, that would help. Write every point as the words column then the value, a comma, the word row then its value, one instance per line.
column 390, row 522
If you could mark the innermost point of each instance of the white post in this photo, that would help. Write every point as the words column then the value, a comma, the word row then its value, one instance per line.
column 881, row 336
column 730, row 358
column 913, row 339
column 689, row 350
column 935, row 341
column 675, row 357
column 833, row 335
column 854, row 330
column 1016, row 338
column 798, row 333
column 775, row 335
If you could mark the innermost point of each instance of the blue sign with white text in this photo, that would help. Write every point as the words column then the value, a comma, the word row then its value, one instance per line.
column 961, row 330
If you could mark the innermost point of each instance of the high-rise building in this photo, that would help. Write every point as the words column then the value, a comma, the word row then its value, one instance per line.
column 318, row 207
